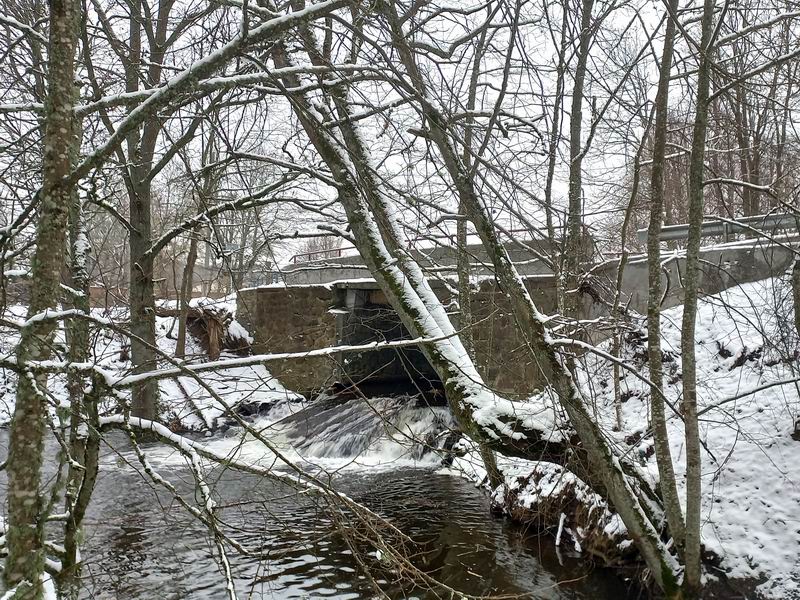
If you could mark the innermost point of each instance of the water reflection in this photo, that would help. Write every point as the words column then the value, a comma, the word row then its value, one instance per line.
column 139, row 544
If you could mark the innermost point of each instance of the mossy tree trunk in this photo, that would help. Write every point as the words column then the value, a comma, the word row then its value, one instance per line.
column 24, row 540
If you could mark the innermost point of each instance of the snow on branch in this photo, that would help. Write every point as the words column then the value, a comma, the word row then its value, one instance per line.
column 256, row 359
column 194, row 73
column 5, row 19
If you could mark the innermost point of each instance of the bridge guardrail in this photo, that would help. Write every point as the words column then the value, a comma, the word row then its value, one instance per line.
column 726, row 227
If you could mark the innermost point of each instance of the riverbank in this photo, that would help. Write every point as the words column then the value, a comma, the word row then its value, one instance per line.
column 747, row 352
column 749, row 400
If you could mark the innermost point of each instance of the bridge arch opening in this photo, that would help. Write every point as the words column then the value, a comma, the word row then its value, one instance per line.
column 365, row 315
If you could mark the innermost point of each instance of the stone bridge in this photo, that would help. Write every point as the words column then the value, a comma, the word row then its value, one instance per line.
column 327, row 309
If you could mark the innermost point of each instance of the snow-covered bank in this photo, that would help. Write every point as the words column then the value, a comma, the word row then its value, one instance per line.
column 751, row 473
column 184, row 402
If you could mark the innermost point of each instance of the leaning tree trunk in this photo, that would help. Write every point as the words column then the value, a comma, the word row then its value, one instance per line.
column 692, row 575
column 376, row 234
column 375, row 231
column 666, row 471
column 604, row 465
column 24, row 540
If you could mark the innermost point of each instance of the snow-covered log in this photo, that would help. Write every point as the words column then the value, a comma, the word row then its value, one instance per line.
column 549, row 498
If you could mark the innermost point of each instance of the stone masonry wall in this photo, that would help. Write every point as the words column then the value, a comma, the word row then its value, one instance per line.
column 292, row 319
column 502, row 358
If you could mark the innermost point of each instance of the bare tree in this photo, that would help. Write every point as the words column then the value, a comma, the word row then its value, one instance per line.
column 690, row 284
column 669, row 490
column 24, row 567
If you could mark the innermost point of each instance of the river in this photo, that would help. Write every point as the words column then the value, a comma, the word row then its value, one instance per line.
column 139, row 544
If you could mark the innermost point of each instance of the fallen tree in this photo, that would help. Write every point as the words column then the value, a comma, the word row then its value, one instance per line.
column 214, row 326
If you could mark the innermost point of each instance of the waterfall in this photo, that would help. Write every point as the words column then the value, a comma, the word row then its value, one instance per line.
column 368, row 430
column 399, row 431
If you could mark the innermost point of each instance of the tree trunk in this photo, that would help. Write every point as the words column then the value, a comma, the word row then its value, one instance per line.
column 187, row 282
column 84, row 441
column 605, row 471
column 144, row 397
column 796, row 293
column 690, row 283
column 574, row 247
column 24, row 540
column 618, row 313
column 493, row 474
column 666, row 471
column 552, row 155
column 141, row 148
column 376, row 235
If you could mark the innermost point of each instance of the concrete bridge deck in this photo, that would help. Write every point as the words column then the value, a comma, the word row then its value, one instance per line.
column 526, row 255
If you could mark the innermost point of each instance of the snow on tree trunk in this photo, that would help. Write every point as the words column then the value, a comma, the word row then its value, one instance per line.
column 84, row 440
column 604, row 467
column 692, row 581
column 24, row 540
column 531, row 429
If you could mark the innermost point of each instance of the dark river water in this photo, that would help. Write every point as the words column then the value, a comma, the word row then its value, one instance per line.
column 140, row 545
